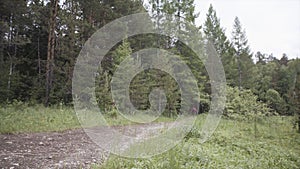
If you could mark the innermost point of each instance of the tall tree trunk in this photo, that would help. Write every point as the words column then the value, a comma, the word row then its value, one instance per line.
column 13, row 47
column 39, row 58
column 9, row 76
column 299, row 123
column 178, row 15
column 50, row 51
column 1, row 43
column 2, row 34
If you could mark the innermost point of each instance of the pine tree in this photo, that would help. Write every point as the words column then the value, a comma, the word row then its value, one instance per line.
column 243, row 55
column 216, row 36
column 51, row 49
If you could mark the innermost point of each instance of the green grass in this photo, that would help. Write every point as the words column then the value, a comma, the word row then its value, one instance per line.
column 24, row 119
column 273, row 143
column 21, row 118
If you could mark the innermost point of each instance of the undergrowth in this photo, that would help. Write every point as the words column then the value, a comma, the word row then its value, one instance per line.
column 273, row 143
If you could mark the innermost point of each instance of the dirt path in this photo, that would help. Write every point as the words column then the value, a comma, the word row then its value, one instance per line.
column 69, row 149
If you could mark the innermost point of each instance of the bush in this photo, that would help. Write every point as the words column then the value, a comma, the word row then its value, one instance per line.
column 113, row 113
column 244, row 104
column 275, row 102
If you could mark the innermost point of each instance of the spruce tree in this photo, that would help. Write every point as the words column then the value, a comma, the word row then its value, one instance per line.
column 215, row 34
column 243, row 55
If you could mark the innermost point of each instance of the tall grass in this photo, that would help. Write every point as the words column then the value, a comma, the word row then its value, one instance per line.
column 22, row 118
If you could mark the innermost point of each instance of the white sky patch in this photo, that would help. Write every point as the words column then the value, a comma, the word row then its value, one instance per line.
column 272, row 26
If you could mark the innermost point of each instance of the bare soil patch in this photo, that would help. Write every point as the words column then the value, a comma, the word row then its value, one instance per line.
column 69, row 149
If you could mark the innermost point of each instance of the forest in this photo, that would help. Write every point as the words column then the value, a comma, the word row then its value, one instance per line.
column 39, row 49
column 40, row 41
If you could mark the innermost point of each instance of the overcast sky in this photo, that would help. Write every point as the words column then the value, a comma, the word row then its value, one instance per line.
column 272, row 26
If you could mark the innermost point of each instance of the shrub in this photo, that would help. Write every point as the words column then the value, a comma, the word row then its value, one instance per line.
column 113, row 113
column 275, row 101
column 244, row 104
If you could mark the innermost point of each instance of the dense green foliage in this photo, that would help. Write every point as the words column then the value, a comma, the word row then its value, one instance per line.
column 24, row 41
column 244, row 104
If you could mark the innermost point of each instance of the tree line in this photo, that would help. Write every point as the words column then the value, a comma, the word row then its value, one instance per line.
column 40, row 40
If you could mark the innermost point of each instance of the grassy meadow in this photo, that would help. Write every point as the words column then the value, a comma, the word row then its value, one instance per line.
column 273, row 143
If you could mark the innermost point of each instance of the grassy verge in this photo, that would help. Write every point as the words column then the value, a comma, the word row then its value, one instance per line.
column 20, row 118
column 273, row 143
